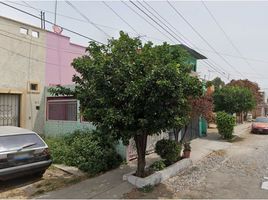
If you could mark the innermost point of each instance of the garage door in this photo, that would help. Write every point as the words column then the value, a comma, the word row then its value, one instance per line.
column 9, row 109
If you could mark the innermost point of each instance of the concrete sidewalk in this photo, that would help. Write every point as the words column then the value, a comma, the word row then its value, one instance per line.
column 201, row 147
column 111, row 184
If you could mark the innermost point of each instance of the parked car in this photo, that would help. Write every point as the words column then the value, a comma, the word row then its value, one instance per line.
column 260, row 125
column 22, row 152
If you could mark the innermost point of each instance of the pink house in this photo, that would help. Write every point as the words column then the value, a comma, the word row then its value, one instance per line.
column 59, row 56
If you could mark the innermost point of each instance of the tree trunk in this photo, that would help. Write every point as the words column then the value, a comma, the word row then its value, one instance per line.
column 141, row 143
column 185, row 131
column 176, row 134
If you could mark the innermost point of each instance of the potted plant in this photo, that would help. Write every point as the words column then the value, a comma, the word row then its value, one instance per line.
column 186, row 150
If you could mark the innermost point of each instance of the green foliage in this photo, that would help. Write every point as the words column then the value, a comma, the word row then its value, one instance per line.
column 233, row 100
column 146, row 188
column 225, row 124
column 58, row 149
column 158, row 165
column 87, row 150
column 126, row 88
column 168, row 150
column 218, row 83
column 253, row 87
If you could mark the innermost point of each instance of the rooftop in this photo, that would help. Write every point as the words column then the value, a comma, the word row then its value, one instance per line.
column 194, row 53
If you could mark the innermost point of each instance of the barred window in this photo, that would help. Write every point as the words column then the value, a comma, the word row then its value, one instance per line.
column 63, row 109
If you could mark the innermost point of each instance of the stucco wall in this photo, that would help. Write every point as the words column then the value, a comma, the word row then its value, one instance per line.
column 59, row 56
column 22, row 60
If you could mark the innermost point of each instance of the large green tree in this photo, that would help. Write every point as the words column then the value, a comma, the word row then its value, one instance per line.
column 132, row 90
column 233, row 99
column 253, row 87
column 218, row 83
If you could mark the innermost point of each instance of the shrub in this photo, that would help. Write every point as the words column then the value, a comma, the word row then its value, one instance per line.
column 146, row 189
column 158, row 165
column 225, row 124
column 58, row 149
column 87, row 150
column 168, row 150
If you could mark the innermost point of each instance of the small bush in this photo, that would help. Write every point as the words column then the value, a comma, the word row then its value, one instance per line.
column 168, row 150
column 90, row 151
column 147, row 188
column 158, row 165
column 225, row 124
column 58, row 149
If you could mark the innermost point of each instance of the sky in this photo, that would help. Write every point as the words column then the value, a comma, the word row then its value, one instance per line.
column 233, row 35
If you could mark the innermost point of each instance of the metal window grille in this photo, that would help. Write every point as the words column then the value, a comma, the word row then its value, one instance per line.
column 63, row 110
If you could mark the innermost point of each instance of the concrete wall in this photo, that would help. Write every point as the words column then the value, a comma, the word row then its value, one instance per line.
column 22, row 61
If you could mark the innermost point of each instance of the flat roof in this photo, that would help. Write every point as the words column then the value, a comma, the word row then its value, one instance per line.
column 40, row 29
column 7, row 130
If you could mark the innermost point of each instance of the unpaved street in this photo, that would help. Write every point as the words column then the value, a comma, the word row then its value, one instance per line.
column 236, row 172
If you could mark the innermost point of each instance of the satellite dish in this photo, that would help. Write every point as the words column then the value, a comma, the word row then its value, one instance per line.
column 57, row 29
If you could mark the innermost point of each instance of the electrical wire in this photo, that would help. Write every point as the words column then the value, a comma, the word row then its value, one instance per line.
column 148, row 22
column 120, row 17
column 86, row 18
column 227, row 37
column 193, row 28
column 183, row 38
column 49, row 22
column 37, row 43
column 209, row 64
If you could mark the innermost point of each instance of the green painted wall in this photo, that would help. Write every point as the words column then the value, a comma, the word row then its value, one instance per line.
column 55, row 128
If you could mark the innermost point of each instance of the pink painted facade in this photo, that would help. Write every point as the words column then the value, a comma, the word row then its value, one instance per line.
column 59, row 56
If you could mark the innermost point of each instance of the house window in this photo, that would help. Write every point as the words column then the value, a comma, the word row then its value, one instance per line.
column 35, row 34
column 33, row 87
column 24, row 31
column 61, row 108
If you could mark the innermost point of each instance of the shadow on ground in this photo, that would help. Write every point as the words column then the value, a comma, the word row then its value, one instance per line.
column 18, row 182
column 159, row 191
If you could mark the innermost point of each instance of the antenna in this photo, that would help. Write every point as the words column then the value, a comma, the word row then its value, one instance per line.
column 57, row 29
column 44, row 20
column 55, row 16
column 41, row 19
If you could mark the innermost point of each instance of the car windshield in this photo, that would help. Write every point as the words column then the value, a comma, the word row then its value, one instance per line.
column 262, row 119
column 19, row 142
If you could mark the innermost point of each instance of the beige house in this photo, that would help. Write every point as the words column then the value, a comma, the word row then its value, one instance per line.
column 22, row 66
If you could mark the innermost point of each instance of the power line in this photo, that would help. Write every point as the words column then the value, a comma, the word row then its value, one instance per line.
column 71, row 31
column 148, row 21
column 226, row 35
column 36, row 43
column 158, row 39
column 120, row 17
column 87, row 19
column 26, row 57
column 82, row 20
column 185, row 20
column 171, row 34
column 177, row 31
column 154, row 20
column 183, row 38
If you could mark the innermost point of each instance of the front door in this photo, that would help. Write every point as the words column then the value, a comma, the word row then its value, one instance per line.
column 9, row 110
